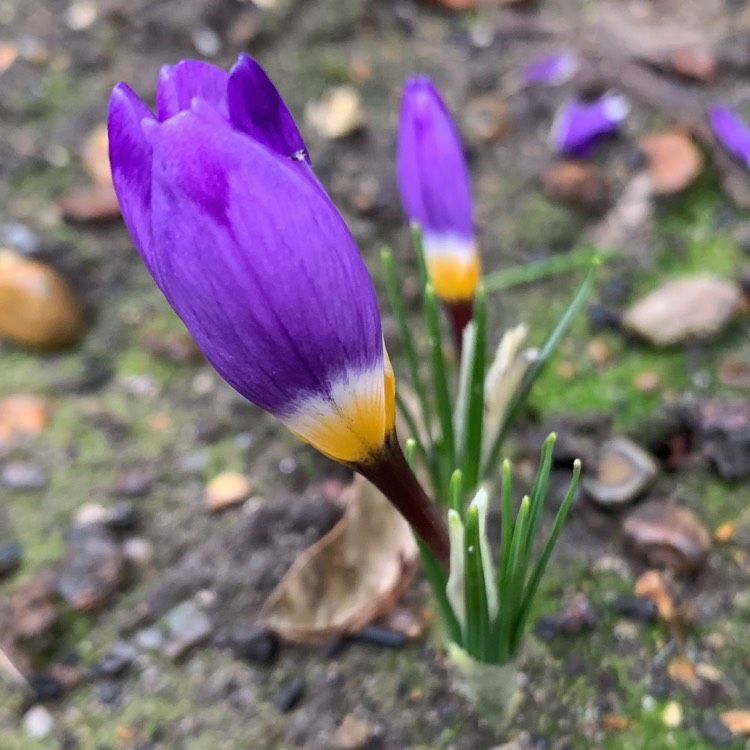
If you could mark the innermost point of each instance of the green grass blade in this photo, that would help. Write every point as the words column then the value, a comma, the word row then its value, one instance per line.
column 506, row 528
column 463, row 397
column 512, row 586
column 538, row 269
column 438, row 581
column 477, row 610
column 539, row 489
column 545, row 353
column 472, row 439
column 407, row 340
column 456, row 493
column 439, row 376
column 541, row 564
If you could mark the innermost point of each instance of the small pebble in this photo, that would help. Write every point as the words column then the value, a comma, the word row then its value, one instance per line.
column 254, row 645
column 93, row 567
column 11, row 554
column 227, row 489
column 38, row 722
column 338, row 114
column 90, row 513
column 665, row 534
column 122, row 518
column 351, row 734
column 647, row 381
column 37, row 306
column 46, row 687
column 638, row 608
column 117, row 658
column 715, row 731
column 188, row 626
column 134, row 483
column 138, row 551
column 671, row 716
column 149, row 639
column 290, row 695
column 22, row 476
column 602, row 318
column 380, row 637
column 107, row 692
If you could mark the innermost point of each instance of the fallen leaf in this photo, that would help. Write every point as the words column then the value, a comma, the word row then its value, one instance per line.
column 651, row 585
column 737, row 721
column 349, row 577
column 674, row 161
column 23, row 414
column 95, row 155
column 682, row 671
column 90, row 204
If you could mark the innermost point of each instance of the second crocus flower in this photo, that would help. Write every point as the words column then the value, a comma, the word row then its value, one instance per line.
column 436, row 194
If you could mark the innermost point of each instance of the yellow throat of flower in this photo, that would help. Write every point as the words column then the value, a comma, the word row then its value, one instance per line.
column 353, row 424
column 455, row 275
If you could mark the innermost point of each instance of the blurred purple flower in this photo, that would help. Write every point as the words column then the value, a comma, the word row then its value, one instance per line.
column 731, row 131
column 579, row 125
column 554, row 69
column 218, row 195
column 435, row 190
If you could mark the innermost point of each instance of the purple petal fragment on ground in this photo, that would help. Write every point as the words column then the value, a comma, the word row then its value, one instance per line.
column 579, row 125
column 554, row 69
column 731, row 131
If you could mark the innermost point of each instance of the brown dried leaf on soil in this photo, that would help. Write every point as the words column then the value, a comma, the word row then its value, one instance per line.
column 674, row 161
column 737, row 721
column 351, row 576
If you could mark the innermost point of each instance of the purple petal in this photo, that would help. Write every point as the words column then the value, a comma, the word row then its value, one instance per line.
column 130, row 156
column 431, row 167
column 579, row 125
column 256, row 108
column 259, row 264
column 731, row 131
column 180, row 84
column 555, row 69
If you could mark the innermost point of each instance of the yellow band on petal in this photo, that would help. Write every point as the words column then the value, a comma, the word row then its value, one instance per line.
column 454, row 275
column 354, row 422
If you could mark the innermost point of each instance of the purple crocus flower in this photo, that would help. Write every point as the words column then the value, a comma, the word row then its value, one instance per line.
column 436, row 194
column 246, row 246
column 731, row 131
column 221, row 202
column 554, row 69
column 579, row 125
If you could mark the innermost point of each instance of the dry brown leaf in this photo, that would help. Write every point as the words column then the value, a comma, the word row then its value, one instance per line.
column 651, row 585
column 737, row 721
column 95, row 155
column 674, row 161
column 354, row 574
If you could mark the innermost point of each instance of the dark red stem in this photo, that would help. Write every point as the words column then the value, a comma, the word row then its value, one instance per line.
column 390, row 473
column 460, row 313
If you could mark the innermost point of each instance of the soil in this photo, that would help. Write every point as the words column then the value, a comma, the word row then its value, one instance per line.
column 118, row 407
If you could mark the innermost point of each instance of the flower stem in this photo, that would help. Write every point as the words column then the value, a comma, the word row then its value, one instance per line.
column 390, row 473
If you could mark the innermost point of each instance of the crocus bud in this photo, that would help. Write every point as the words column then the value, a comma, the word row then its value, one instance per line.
column 435, row 191
column 554, row 69
column 251, row 253
column 579, row 125
column 222, row 204
column 731, row 131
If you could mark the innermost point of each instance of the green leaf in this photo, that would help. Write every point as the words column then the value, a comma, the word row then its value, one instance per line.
column 545, row 353
column 539, row 269
column 522, row 614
